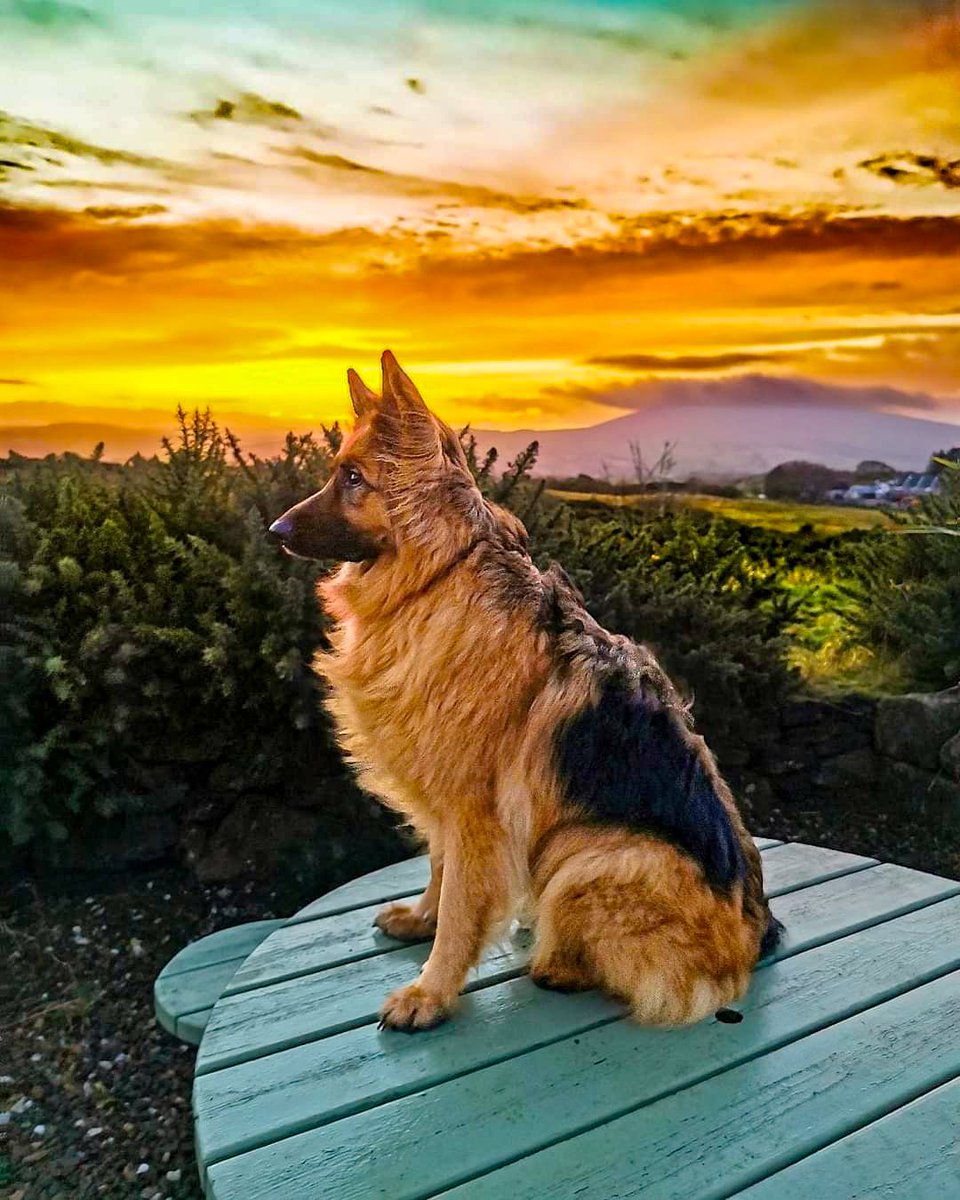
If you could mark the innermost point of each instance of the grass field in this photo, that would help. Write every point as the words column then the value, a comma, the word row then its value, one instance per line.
column 769, row 514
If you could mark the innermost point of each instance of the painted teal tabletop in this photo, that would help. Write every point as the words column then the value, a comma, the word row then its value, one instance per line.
column 841, row 1081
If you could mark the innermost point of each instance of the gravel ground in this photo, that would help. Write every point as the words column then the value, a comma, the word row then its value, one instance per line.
column 97, row 1095
column 95, row 1098
column 897, row 837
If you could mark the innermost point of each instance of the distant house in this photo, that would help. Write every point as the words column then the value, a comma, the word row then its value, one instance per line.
column 902, row 490
column 863, row 493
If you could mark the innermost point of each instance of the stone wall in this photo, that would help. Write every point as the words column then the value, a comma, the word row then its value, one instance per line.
column 856, row 753
column 897, row 755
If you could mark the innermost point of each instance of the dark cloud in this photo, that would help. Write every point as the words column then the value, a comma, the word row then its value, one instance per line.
column 121, row 212
column 49, row 244
column 680, row 362
column 471, row 195
column 754, row 390
column 16, row 383
column 688, row 242
column 250, row 109
column 337, row 162
column 36, row 143
column 46, row 244
column 921, row 170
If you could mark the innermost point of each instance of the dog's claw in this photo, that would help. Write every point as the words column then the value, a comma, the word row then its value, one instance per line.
column 404, row 923
column 412, row 1009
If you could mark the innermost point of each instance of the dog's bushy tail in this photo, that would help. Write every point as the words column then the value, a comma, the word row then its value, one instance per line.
column 772, row 937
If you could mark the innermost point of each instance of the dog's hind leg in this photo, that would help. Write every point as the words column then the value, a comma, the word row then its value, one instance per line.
column 416, row 922
column 634, row 916
column 561, row 962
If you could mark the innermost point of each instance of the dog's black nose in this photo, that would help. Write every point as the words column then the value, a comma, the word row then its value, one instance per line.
column 282, row 526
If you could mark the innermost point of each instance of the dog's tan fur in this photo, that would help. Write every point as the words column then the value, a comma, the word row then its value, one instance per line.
column 447, row 686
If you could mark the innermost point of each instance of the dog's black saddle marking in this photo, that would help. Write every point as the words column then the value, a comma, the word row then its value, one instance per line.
column 626, row 761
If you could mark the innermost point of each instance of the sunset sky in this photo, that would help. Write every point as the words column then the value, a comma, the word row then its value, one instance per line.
column 540, row 206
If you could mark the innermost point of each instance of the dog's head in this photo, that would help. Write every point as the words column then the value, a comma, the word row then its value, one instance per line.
column 400, row 470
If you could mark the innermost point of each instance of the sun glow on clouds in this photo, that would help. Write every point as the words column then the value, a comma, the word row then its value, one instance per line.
column 529, row 201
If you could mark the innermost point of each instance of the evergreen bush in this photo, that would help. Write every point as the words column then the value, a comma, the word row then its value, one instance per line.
column 910, row 609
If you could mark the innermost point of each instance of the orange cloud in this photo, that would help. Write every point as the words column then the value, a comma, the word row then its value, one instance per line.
column 264, row 320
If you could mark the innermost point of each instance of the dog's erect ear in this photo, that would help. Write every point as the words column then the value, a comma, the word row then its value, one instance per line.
column 398, row 388
column 364, row 400
column 404, row 417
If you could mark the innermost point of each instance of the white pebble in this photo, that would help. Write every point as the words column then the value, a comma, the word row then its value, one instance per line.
column 21, row 1105
column 6, row 1079
column 39, row 1130
column 95, row 1131
column 174, row 1176
column 136, row 948
column 36, row 1057
column 143, row 1168
column 5, row 1118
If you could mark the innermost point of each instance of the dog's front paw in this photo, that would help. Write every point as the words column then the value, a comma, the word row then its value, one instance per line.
column 413, row 1008
column 404, row 922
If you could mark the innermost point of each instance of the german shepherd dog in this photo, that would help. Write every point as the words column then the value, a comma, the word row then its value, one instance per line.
column 544, row 760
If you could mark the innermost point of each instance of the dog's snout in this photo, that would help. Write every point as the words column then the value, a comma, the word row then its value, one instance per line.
column 282, row 526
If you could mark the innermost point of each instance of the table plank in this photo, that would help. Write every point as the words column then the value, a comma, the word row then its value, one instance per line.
column 185, row 990
column 406, row 878
column 794, row 865
column 223, row 945
column 273, row 1097
column 251, row 1024
column 270, row 1018
column 323, row 942
column 190, row 1026
column 738, row 1127
column 191, row 991
column 313, row 945
column 810, row 915
column 912, row 1154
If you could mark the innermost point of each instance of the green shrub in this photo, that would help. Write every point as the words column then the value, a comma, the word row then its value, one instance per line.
column 151, row 634
column 910, row 611
column 706, row 594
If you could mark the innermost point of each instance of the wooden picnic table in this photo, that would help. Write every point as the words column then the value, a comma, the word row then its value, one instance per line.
column 842, row 1080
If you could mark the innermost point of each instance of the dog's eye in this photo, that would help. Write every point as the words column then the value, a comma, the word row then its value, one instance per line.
column 350, row 476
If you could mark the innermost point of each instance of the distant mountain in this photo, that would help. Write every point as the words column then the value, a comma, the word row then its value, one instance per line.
column 723, row 438
column 120, row 442
column 722, row 428
column 35, row 441
column 36, row 428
